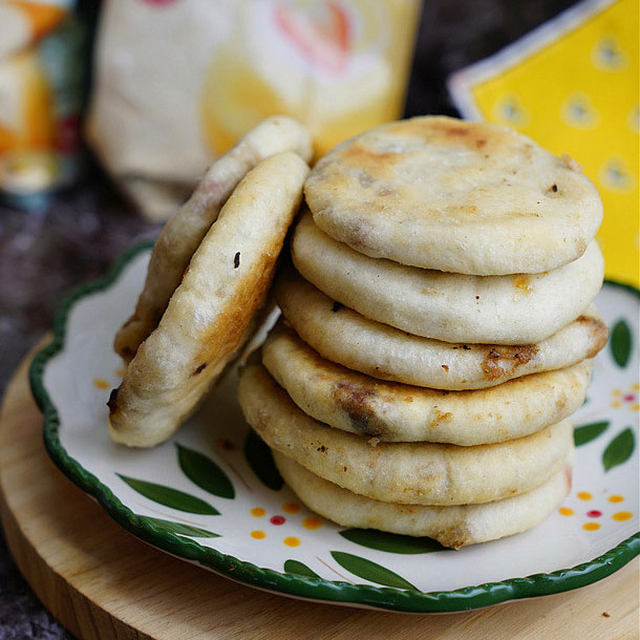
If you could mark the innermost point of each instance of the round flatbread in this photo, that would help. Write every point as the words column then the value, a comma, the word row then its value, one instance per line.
column 463, row 197
column 519, row 309
column 348, row 338
column 407, row 473
column 184, row 231
column 454, row 526
column 394, row 412
column 209, row 315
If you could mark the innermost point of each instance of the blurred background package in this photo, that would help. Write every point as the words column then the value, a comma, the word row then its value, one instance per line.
column 178, row 81
column 572, row 85
column 42, row 65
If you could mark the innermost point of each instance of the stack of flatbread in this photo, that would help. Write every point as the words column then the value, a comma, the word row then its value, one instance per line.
column 437, row 332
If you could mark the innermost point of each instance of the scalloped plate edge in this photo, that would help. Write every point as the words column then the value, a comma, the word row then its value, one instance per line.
column 405, row 600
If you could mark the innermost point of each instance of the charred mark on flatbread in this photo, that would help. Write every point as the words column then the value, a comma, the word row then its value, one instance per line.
column 355, row 402
column 127, row 352
column 112, row 402
column 236, row 260
column 502, row 362
column 598, row 331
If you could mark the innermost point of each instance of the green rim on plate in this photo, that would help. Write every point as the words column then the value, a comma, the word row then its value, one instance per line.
column 409, row 600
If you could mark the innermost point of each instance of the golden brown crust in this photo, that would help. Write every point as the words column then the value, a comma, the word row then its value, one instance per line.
column 184, row 231
column 395, row 412
column 408, row 473
column 503, row 361
column 209, row 315
column 479, row 199
column 344, row 336
column 598, row 331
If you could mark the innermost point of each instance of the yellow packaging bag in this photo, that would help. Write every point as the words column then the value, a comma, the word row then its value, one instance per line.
column 177, row 82
column 572, row 85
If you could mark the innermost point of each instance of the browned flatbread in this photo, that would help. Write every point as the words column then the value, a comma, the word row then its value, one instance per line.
column 510, row 309
column 208, row 317
column 183, row 232
column 394, row 412
column 401, row 472
column 463, row 197
column 348, row 338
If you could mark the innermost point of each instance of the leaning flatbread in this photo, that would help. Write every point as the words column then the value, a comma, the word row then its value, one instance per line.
column 408, row 473
column 183, row 232
column 208, row 315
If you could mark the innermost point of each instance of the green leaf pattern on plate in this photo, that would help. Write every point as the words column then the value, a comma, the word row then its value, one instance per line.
column 620, row 343
column 299, row 568
column 588, row 432
column 295, row 580
column 170, row 497
column 260, row 460
column 179, row 528
column 619, row 450
column 390, row 542
column 369, row 570
column 204, row 472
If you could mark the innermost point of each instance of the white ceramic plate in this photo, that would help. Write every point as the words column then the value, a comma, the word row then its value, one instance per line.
column 212, row 495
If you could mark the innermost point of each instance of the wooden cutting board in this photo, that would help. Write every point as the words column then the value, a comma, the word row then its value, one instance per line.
column 101, row 582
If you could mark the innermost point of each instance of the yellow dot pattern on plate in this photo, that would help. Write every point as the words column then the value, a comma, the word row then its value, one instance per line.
column 292, row 541
column 291, row 507
column 565, row 511
column 616, row 498
column 622, row 515
column 120, row 372
column 258, row 512
column 311, row 523
column 635, row 407
column 574, row 89
column 636, row 386
column 584, row 495
column 101, row 383
column 615, row 404
column 590, row 526
column 258, row 535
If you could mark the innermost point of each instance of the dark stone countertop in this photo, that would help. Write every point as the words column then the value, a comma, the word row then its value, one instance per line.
column 44, row 254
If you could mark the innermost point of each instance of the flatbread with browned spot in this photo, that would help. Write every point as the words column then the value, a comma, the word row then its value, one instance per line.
column 184, row 231
column 463, row 197
column 209, row 315
column 344, row 336
column 395, row 412
column 407, row 473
